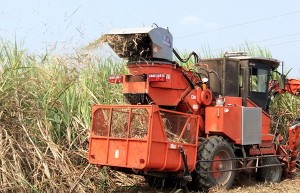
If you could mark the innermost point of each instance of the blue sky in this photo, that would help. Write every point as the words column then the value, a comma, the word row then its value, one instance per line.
column 217, row 25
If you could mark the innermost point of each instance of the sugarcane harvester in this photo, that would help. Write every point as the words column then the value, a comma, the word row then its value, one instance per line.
column 201, row 125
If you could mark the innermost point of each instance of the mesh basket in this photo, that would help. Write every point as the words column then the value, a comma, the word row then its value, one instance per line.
column 175, row 124
column 121, row 119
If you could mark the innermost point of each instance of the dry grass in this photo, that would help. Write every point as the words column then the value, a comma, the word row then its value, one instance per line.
column 125, row 45
column 44, row 120
column 287, row 185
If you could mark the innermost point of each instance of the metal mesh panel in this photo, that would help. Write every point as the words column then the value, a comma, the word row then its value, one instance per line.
column 136, row 78
column 139, row 123
column 189, row 135
column 100, row 122
column 173, row 125
column 119, row 123
column 137, row 98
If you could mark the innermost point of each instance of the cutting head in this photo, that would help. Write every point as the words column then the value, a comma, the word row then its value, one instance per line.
column 141, row 43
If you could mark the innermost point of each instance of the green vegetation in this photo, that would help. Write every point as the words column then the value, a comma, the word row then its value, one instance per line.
column 45, row 104
column 45, row 107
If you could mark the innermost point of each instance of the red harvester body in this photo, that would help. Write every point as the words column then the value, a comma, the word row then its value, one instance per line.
column 199, row 126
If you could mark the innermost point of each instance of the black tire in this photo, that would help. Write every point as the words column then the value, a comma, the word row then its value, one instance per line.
column 214, row 148
column 153, row 182
column 269, row 174
column 157, row 182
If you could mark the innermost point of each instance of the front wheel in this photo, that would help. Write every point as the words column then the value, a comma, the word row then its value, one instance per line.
column 215, row 164
column 270, row 174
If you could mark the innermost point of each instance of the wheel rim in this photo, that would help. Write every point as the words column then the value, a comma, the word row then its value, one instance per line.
column 222, row 177
column 274, row 173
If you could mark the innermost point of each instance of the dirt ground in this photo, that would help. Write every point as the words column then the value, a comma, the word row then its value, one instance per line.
column 287, row 185
column 243, row 184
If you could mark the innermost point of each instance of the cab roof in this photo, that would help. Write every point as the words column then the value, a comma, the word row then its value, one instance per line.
column 273, row 63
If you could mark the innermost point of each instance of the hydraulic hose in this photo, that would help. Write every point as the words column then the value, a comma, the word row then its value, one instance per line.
column 196, row 57
column 188, row 79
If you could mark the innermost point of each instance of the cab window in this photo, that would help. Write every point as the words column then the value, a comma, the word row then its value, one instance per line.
column 259, row 80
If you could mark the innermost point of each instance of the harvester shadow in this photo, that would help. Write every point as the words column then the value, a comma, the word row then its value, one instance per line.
column 144, row 188
column 244, row 180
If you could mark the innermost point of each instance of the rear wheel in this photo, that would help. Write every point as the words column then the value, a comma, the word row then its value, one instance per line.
column 153, row 182
column 215, row 155
column 158, row 182
column 270, row 174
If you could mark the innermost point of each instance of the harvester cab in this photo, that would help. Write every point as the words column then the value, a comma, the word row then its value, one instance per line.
column 238, row 75
column 199, row 125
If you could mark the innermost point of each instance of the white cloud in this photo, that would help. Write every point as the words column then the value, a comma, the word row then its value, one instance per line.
column 190, row 19
column 211, row 25
column 195, row 20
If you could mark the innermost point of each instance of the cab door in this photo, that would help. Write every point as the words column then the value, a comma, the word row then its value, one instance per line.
column 258, row 85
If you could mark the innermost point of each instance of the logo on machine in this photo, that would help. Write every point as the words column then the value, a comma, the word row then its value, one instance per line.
column 172, row 146
column 156, row 48
column 167, row 41
column 195, row 107
column 117, row 153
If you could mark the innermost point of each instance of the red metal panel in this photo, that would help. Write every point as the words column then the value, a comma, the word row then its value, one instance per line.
column 117, row 152
column 191, row 152
column 173, row 160
column 98, row 145
column 157, row 155
column 174, row 88
column 135, row 87
column 137, row 154
column 263, row 151
column 225, row 121
column 236, row 101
